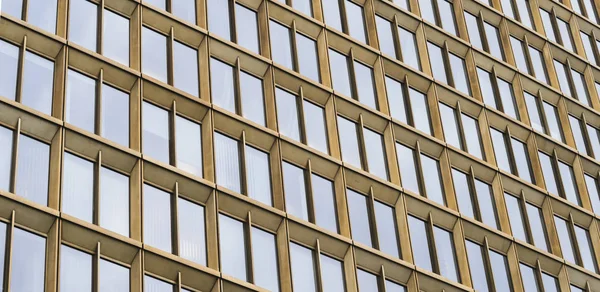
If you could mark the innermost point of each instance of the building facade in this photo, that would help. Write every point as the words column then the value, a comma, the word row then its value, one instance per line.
column 313, row 145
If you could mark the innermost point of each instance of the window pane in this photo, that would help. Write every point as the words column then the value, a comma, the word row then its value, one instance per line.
column 38, row 80
column 33, row 170
column 493, row 38
column 307, row 56
column 365, row 84
column 6, row 139
column 287, row 114
column 549, row 173
column 507, row 8
column 577, row 134
column 252, row 98
column 463, row 193
column 473, row 30
column 281, row 43
column 420, row 242
column 264, row 252
column 588, row 43
column 227, row 160
column 189, row 146
column 529, row 278
column 487, row 91
column 547, row 21
column 116, row 37
column 349, row 142
column 78, row 188
column 447, row 16
column 459, row 73
column 316, row 131
column 324, row 203
column 340, row 80
column 562, row 78
column 218, row 18
column 294, row 186
column 537, row 225
column 523, row 6
column 185, row 9
column 395, row 96
column 192, row 241
column 157, row 219
column 433, row 179
column 386, row 229
column 303, row 6
column 356, row 23
column 154, row 285
column 565, row 34
column 408, row 45
column 258, row 175
column 500, row 271
column 13, row 8
column 500, row 149
column 115, row 115
column 515, row 216
column 550, row 283
column 162, row 4
column 113, row 277
column 393, row 287
column 594, row 140
column 575, row 289
column 420, row 113
column 580, row 88
column 83, row 16
column 155, row 124
column 445, row 253
column 367, row 281
column 332, row 271
column 359, row 217
column 585, row 248
column 537, row 62
column 408, row 168
column 564, row 237
column 232, row 247
column 75, row 270
column 450, row 126
column 534, row 112
column 303, row 268
column 185, row 68
column 331, row 13
column 42, row 13
column 81, row 101
column 222, row 91
column 154, row 54
column 485, row 197
column 568, row 182
column 471, row 129
column 592, row 188
column 28, row 261
column 508, row 99
column 521, row 159
column 114, row 201
column 476, row 266
column 9, row 58
column 384, row 34
column 374, row 149
column 436, row 60
column 519, row 54
column 552, row 120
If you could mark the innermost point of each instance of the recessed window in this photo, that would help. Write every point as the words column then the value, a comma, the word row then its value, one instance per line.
column 33, row 160
column 373, row 147
column 353, row 15
column 9, row 58
column 114, row 201
column 154, row 54
column 28, row 258
column 116, row 37
column 155, row 285
column 157, row 221
column 564, row 237
column 227, row 162
column 479, row 276
column 457, row 68
column 332, row 14
column 75, row 270
column 516, row 218
column 367, row 281
column 294, row 184
column 575, row 243
column 232, row 247
column 258, row 175
column 192, row 241
column 565, row 34
column 538, row 69
column 281, row 43
column 155, row 133
column 185, row 68
column 385, row 36
column 303, row 268
column 6, row 158
column 493, row 40
column 264, row 252
column 408, row 105
column 499, row 265
column 410, row 176
column 537, row 225
column 461, row 130
column 78, row 187
column 543, row 117
column 112, row 277
column 577, row 130
column 550, row 283
column 386, row 228
column 588, row 46
column 519, row 54
column 518, row 161
column 504, row 99
column 445, row 263
column 592, row 189
column 38, row 83
column 245, row 24
column 481, row 196
column 437, row 62
column 529, row 278
column 474, row 30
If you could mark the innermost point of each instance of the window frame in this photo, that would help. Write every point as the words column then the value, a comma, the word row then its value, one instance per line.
column 449, row 72
column 458, row 114
column 507, row 138
column 417, row 152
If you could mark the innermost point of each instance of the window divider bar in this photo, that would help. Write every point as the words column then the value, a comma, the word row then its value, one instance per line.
column 9, row 248
column 249, row 253
column 419, row 166
column 14, row 162
column 309, row 193
column 21, row 70
column 171, row 57
column 97, row 190
column 244, row 175
column 372, row 219
column 173, row 134
column 362, row 142
column 396, row 39
column 474, row 197
column 317, row 255
column 100, row 28
column 96, row 269
column 525, row 216
column 238, row 87
column 294, row 45
column 432, row 247
column 574, row 241
column 174, row 221
column 98, row 105
column 300, row 101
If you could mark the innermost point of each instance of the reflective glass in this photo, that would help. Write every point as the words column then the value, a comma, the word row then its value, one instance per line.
column 365, row 84
column 356, row 21
column 258, row 175
column 487, row 91
column 588, row 43
column 294, row 187
column 519, row 54
column 13, row 8
column 473, row 30
column 485, row 197
column 2, row 250
column 594, row 139
column 507, row 97
column 436, row 61
column 408, row 46
column 6, row 157
column 192, row 241
column 386, row 229
column 116, row 37
column 154, row 285
column 287, row 114
column 552, row 120
column 185, row 9
column 537, row 62
column 222, row 84
column 493, row 39
column 565, row 33
column 384, row 34
column 157, row 219
column 548, row 28
column 232, row 247
column 315, row 127
column 281, row 43
column 427, row 10
column 561, row 73
column 463, row 193
column 324, row 203
column 359, row 217
column 83, row 21
column 349, row 142
column 529, row 277
column 445, row 253
column 162, row 4
column 253, row 107
column 521, row 159
column 114, row 201
column 549, row 173
column 420, row 111
column 580, row 87
column 477, row 266
column 471, row 129
column 303, row 6
column 420, row 243
column 33, row 170
column 331, row 13
column 80, row 103
column 393, row 287
column 155, row 125
column 374, row 148
column 75, row 270
column 537, row 226
column 154, row 54
column 524, row 13
column 78, row 188
column 564, row 237
column 188, row 143
column 115, row 115
column 568, row 182
column 447, row 16
column 218, row 18
column 113, row 277
column 500, row 149
column 308, row 61
column 395, row 96
column 185, row 68
column 459, row 73
column 585, row 248
column 42, row 13
column 408, row 168
column 433, row 179
column 227, row 160
column 577, row 133
column 592, row 188
column 37, row 84
column 515, row 216
column 550, row 283
column 264, row 251
column 450, row 126
column 28, row 261
column 9, row 58
column 332, row 271
column 303, row 268
column 500, row 270
column 367, row 281
column 535, row 117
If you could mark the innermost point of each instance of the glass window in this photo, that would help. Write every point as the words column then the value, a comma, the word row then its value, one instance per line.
column 331, row 13
column 592, row 188
column 294, row 187
column 552, row 120
column 308, row 61
column 427, row 11
column 359, row 217
column 192, row 241
column 568, row 183
column 324, row 203
column 218, row 18
column 524, row 13
column 356, row 21
column 549, row 173
column 507, row 8
column 450, row 126
column 561, row 73
column 537, row 226
column 222, row 88
column 185, row 68
column 252, row 98
column 493, row 39
column 487, row 89
column 419, row 109
column 114, row 201
column 80, row 104
column 548, row 27
column 287, row 114
column 281, row 44
column 366, row 281
column 386, row 229
column 463, row 193
column 473, row 30
column 157, row 219
column 408, row 167
column 508, row 98
column 374, row 148
column 447, row 16
column 433, row 179
column 115, row 115
column 550, row 283
column 365, row 84
column 537, row 62
column 316, row 128
column 500, row 149
column 83, row 21
column 577, row 133
column 396, row 99
column 154, row 54
column 38, row 80
column 33, row 170
column 28, row 261
column 574, row 288
column 6, row 158
column 332, row 271
column 594, row 139
column 258, row 175
column 384, row 34
column 517, row 224
column 42, row 13
column 564, row 237
column 116, row 37
column 588, row 43
column 436, row 59
column 519, row 54
column 535, row 117
column 420, row 242
column 585, row 248
column 580, row 87
column 529, row 277
column 155, row 285
column 185, row 9
column 349, row 142
column 408, row 46
column 232, row 247
column 162, row 4
column 485, row 197
column 477, row 266
column 189, row 146
column 78, row 187
column 304, row 6
column 590, row 11
column 9, row 58
column 247, row 28
column 500, row 270
column 155, row 124
column 113, row 277
column 264, row 250
column 393, row 287
column 303, row 268
column 75, row 270
column 519, row 150
column 13, row 8
column 471, row 130
column 227, row 160
column 565, row 33
column 445, row 253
